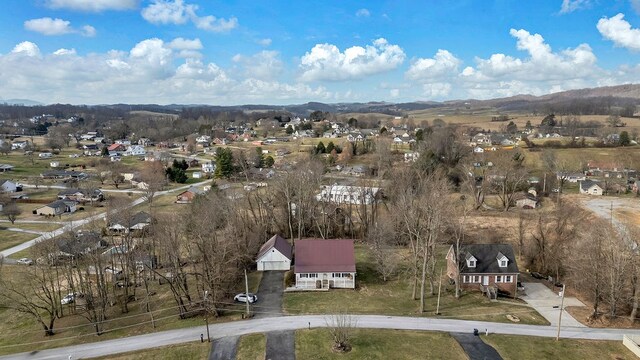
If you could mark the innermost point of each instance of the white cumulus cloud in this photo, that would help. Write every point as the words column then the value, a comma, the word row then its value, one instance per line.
column 264, row 42
column 442, row 64
column 151, row 71
column 92, row 5
column 327, row 62
column 26, row 48
column 50, row 27
column 264, row 65
column 178, row 12
column 618, row 30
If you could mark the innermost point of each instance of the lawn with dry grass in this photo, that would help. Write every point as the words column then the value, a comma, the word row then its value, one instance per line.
column 393, row 297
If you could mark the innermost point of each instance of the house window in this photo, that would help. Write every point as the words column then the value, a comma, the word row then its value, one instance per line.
column 308, row 276
column 465, row 279
column 498, row 278
column 304, row 276
column 337, row 275
column 315, row 275
column 508, row 278
column 503, row 263
column 471, row 263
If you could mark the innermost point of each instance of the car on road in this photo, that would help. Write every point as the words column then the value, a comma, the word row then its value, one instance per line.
column 246, row 297
column 69, row 298
column 537, row 275
column 25, row 261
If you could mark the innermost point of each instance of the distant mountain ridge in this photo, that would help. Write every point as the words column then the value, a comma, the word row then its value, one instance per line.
column 628, row 94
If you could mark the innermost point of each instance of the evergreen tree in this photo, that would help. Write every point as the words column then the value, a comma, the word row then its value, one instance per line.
column 419, row 135
column 320, row 149
column 224, row 163
column 330, row 147
column 289, row 130
column 258, row 161
column 625, row 139
column 268, row 161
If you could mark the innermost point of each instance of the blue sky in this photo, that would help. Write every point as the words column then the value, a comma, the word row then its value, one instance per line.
column 283, row 52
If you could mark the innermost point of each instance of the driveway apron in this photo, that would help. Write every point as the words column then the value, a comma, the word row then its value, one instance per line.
column 281, row 345
column 270, row 292
column 475, row 348
column 224, row 348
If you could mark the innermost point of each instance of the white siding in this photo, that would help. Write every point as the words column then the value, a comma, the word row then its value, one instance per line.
column 310, row 280
column 273, row 260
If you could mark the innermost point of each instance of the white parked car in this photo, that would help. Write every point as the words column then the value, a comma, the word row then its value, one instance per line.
column 25, row 261
column 244, row 298
column 69, row 298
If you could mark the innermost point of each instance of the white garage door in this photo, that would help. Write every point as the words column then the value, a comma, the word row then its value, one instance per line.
column 271, row 265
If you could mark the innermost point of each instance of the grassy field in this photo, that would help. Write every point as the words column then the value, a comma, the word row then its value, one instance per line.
column 9, row 238
column 188, row 351
column 373, row 296
column 372, row 344
column 251, row 347
column 534, row 348
column 35, row 227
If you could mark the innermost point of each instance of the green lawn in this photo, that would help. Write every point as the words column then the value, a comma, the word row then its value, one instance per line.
column 251, row 347
column 188, row 351
column 379, row 344
column 34, row 227
column 373, row 296
column 534, row 348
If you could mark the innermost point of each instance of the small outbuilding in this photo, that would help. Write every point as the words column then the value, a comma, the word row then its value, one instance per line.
column 275, row 254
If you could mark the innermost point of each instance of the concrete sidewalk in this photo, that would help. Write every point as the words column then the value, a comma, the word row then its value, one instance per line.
column 543, row 300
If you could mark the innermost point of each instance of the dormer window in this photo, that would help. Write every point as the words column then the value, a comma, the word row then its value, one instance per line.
column 503, row 261
column 471, row 261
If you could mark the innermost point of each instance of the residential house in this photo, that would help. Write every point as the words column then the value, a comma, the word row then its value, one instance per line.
column 571, row 177
column 324, row 264
column 9, row 186
column 343, row 194
column 116, row 149
column 19, row 145
column 478, row 150
column 135, row 150
column 275, row 254
column 490, row 268
column 527, row 201
column 82, row 243
column 81, row 195
column 137, row 222
column 64, row 174
column 591, row 187
column 123, row 142
column 45, row 155
column 481, row 138
column 187, row 196
column 6, row 167
column 209, row 168
column 144, row 141
column 203, row 140
column 57, row 207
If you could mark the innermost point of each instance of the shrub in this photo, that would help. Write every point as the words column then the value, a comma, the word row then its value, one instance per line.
column 289, row 278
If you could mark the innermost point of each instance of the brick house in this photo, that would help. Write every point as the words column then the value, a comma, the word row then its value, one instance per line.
column 488, row 268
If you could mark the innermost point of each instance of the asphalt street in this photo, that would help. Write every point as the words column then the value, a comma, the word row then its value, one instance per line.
column 250, row 326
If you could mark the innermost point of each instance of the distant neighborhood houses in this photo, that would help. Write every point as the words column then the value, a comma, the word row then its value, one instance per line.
column 343, row 194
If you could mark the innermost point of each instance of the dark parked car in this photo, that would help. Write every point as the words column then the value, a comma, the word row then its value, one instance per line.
column 537, row 275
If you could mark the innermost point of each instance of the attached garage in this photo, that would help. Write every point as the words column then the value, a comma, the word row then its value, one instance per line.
column 275, row 255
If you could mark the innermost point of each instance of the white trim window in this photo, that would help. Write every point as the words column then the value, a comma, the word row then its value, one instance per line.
column 504, row 278
column 508, row 278
column 312, row 275
column 498, row 278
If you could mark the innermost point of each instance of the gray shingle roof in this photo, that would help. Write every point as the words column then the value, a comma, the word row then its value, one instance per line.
column 279, row 244
column 487, row 256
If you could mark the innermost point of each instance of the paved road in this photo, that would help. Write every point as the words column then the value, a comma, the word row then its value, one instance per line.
column 224, row 348
column 270, row 294
column 475, row 348
column 77, row 223
column 236, row 328
column 544, row 300
column 281, row 345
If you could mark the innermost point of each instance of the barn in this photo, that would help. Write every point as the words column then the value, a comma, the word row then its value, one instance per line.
column 275, row 254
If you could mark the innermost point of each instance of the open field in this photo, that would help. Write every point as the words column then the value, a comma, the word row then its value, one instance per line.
column 373, row 296
column 379, row 344
column 252, row 347
column 513, row 347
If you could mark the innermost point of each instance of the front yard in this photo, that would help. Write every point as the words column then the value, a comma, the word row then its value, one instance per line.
column 373, row 296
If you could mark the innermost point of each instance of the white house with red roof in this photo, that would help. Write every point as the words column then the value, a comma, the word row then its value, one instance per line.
column 275, row 254
column 325, row 263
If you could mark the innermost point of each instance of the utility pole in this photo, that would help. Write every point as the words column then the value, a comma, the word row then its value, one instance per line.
column 439, row 288
column 246, row 289
column 206, row 317
column 560, row 316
